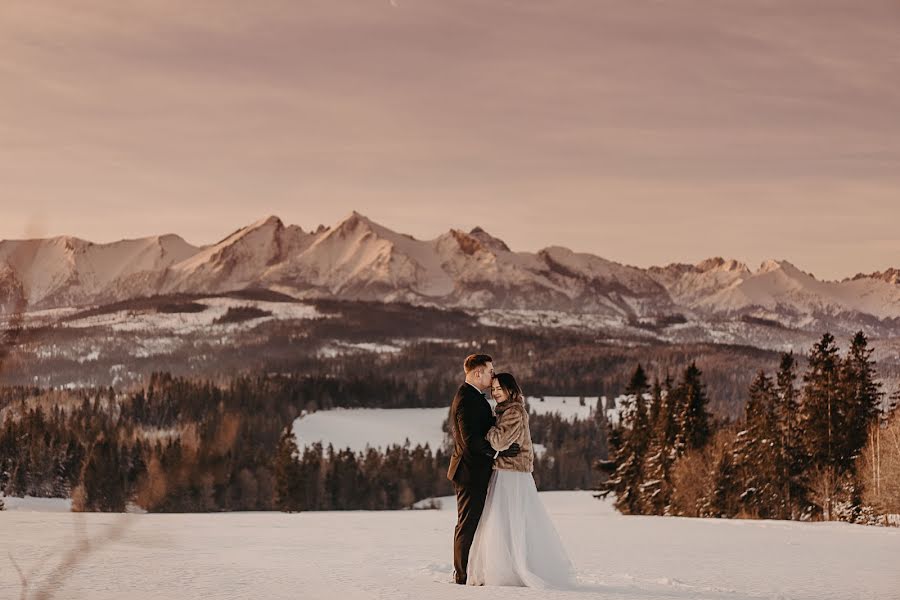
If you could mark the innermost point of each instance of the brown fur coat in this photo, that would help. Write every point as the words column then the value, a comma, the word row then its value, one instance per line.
column 512, row 426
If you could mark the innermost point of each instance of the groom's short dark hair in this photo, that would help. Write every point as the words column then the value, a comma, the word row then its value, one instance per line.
column 473, row 361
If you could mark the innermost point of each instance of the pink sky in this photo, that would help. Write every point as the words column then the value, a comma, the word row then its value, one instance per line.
column 645, row 132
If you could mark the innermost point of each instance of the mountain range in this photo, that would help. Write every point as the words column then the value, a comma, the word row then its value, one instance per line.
column 358, row 259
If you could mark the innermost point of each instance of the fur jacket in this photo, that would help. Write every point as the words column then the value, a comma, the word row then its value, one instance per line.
column 512, row 426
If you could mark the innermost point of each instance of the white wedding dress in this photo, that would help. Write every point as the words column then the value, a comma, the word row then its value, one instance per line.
column 516, row 543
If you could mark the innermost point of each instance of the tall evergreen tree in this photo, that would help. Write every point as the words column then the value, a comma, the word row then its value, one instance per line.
column 822, row 417
column 863, row 400
column 287, row 474
column 757, row 453
column 792, row 461
column 692, row 416
column 657, row 489
column 626, row 481
column 720, row 499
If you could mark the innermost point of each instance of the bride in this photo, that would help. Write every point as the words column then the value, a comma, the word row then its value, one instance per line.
column 516, row 542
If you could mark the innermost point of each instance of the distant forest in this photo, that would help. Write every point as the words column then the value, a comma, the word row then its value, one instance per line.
column 423, row 344
column 183, row 446
column 183, row 443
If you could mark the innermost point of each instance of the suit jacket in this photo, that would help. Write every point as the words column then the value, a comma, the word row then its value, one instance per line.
column 470, row 419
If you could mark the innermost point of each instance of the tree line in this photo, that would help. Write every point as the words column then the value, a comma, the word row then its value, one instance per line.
column 810, row 445
column 803, row 449
column 183, row 445
column 323, row 478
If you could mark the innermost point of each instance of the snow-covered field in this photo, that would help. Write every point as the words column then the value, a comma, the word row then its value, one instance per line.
column 358, row 428
column 402, row 555
column 567, row 407
column 184, row 323
column 31, row 504
column 337, row 348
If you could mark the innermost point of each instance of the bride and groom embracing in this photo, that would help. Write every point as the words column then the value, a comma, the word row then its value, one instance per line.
column 503, row 535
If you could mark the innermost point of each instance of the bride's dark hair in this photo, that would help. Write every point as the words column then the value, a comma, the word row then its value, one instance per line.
column 509, row 385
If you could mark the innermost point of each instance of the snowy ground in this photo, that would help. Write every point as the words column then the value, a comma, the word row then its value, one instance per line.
column 31, row 504
column 184, row 323
column 568, row 407
column 407, row 555
column 357, row 428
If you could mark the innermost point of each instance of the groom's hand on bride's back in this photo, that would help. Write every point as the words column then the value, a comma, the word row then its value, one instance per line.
column 511, row 452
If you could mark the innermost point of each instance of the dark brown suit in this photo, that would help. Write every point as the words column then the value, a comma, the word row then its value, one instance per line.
column 470, row 468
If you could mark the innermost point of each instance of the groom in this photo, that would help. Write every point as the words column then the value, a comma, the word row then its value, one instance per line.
column 472, row 460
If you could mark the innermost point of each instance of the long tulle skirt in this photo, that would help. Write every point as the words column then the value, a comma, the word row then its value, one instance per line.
column 516, row 542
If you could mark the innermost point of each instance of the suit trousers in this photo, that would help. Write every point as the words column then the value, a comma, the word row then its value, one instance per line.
column 469, row 506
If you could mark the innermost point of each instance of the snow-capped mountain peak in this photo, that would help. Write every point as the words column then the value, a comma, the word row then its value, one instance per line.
column 891, row 275
column 720, row 264
column 489, row 241
column 351, row 223
column 66, row 270
column 268, row 224
column 772, row 265
column 358, row 258
column 239, row 260
column 471, row 243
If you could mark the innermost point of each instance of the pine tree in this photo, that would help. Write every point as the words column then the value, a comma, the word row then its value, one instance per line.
column 657, row 489
column 792, row 461
column 757, row 452
column 287, row 474
column 312, row 477
column 691, row 415
column 626, row 481
column 863, row 401
column 720, row 499
column 822, row 418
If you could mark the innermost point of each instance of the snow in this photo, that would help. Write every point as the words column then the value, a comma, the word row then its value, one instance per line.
column 600, row 269
column 184, row 323
column 432, row 279
column 567, row 407
column 407, row 555
column 358, row 428
column 32, row 504
column 528, row 318
column 360, row 259
column 721, row 286
column 93, row 355
column 74, row 268
column 155, row 346
column 357, row 253
column 238, row 261
column 781, row 284
column 337, row 348
column 374, row 347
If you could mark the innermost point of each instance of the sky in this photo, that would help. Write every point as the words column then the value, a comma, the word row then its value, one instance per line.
column 647, row 132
